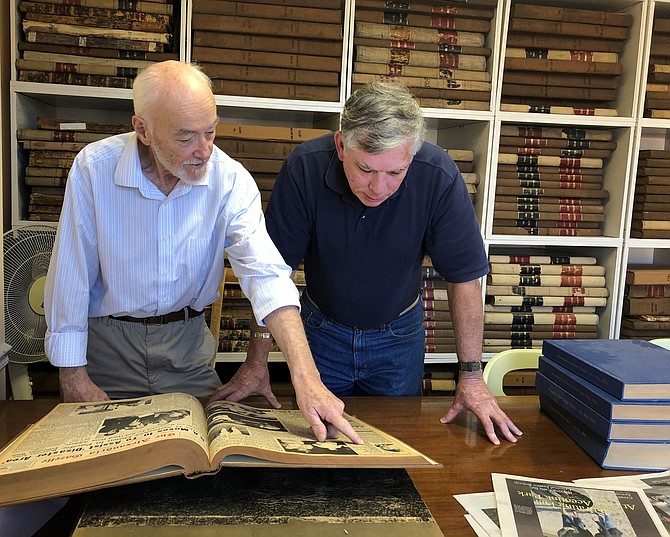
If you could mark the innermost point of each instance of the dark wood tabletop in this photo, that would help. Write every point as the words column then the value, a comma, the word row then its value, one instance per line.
column 468, row 458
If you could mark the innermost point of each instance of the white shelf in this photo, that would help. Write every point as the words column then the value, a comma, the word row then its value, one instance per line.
column 457, row 129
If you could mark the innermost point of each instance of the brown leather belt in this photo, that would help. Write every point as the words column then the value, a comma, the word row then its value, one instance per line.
column 185, row 313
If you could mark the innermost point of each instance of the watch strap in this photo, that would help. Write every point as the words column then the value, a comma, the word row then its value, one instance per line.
column 470, row 366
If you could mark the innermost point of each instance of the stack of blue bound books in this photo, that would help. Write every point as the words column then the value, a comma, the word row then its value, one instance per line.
column 612, row 397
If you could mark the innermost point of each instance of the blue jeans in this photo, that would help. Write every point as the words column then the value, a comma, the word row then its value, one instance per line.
column 381, row 361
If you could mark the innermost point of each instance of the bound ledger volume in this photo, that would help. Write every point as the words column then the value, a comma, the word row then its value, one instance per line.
column 612, row 397
column 562, row 60
column 657, row 94
column 51, row 148
column 287, row 50
column 651, row 204
column 437, row 51
column 101, row 44
column 549, row 181
column 85, row 446
column 627, row 369
column 537, row 295
column 646, row 306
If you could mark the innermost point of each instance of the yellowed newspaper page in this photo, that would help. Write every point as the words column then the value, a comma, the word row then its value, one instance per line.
column 78, row 446
column 284, row 437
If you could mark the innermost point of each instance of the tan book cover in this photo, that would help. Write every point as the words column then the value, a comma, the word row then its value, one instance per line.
column 547, row 269
column 267, row 132
column 656, row 275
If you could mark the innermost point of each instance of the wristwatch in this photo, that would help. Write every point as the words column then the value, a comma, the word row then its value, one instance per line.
column 470, row 366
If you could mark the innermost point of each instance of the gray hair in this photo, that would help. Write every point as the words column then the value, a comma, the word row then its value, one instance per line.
column 380, row 116
column 154, row 81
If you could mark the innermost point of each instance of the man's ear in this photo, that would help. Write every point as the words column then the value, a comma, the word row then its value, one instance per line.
column 339, row 144
column 141, row 129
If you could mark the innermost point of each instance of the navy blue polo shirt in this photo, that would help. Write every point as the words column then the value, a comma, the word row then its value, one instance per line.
column 363, row 264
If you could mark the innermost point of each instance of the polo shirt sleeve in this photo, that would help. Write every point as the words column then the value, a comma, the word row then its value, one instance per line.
column 454, row 240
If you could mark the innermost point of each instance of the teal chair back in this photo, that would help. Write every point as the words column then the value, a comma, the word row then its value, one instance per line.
column 661, row 342
column 504, row 362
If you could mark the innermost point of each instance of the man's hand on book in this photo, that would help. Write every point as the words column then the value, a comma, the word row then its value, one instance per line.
column 252, row 378
column 77, row 386
column 473, row 394
column 323, row 412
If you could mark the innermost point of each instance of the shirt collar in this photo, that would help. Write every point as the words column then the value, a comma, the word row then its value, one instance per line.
column 129, row 173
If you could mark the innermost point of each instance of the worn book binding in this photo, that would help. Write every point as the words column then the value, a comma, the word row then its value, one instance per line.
column 84, row 446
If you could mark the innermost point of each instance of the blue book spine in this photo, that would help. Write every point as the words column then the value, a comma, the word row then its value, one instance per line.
column 594, row 446
column 628, row 369
column 652, row 411
column 598, row 423
column 582, row 368
column 600, row 400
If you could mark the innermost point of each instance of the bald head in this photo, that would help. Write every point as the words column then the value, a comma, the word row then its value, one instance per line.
column 165, row 84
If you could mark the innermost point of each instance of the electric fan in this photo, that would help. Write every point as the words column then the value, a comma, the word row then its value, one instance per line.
column 26, row 254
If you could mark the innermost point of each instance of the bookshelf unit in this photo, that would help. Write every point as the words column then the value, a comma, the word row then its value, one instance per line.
column 478, row 130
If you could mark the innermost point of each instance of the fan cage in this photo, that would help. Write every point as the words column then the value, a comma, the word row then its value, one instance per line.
column 26, row 255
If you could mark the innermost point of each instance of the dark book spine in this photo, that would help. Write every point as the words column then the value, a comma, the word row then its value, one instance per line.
column 279, row 91
column 267, row 43
column 132, row 21
column 418, row 20
column 564, row 14
column 578, row 29
column 267, row 11
column 287, row 28
column 275, row 74
column 562, row 66
column 104, row 81
column 94, row 42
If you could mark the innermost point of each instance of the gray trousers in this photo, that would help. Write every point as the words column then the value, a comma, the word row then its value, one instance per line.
column 128, row 359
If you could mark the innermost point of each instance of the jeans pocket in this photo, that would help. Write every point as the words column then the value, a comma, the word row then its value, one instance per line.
column 409, row 324
column 311, row 318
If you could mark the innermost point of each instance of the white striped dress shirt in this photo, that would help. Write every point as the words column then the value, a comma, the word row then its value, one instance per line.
column 124, row 248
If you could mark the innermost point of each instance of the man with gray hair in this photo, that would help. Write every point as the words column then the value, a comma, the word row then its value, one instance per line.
column 147, row 219
column 361, row 208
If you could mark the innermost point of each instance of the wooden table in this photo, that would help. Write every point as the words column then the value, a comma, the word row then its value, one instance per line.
column 544, row 451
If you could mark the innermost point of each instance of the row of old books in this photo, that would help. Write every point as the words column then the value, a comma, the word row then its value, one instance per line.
column 51, row 147
column 439, row 51
column 237, row 314
column 612, row 397
column 262, row 149
column 436, row 314
column 93, row 42
column 651, row 202
column 285, row 50
column 550, row 180
column 646, row 308
column 53, row 144
column 535, row 296
column 563, row 60
column 657, row 94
